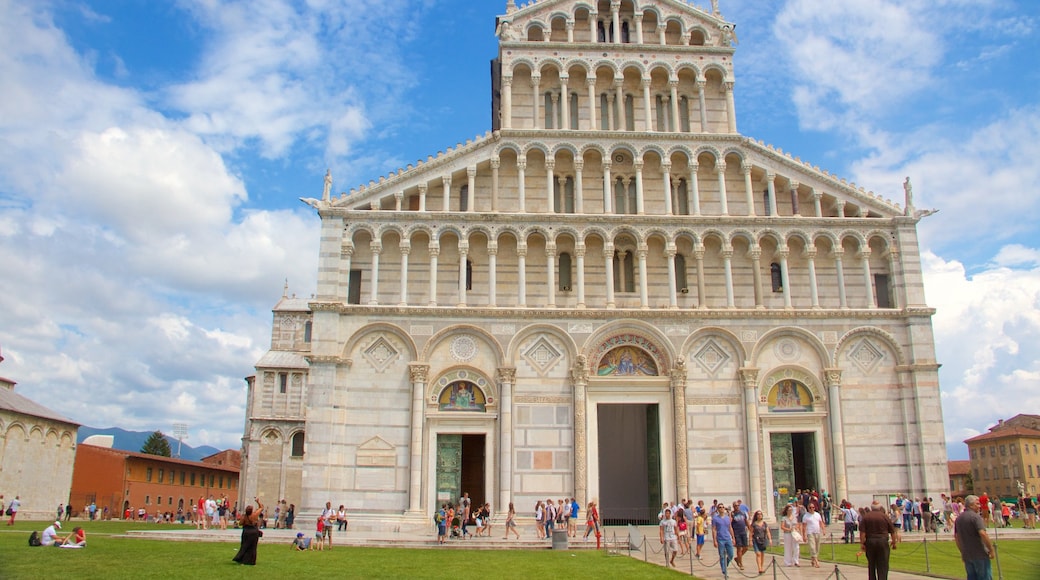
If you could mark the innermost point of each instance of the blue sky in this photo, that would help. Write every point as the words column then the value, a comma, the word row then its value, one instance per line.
column 152, row 155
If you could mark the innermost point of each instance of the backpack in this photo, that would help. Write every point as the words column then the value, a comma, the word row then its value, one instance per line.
column 34, row 539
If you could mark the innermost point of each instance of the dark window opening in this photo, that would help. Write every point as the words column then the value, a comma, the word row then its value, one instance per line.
column 777, row 277
column 565, row 272
column 297, row 445
column 354, row 287
column 882, row 291
column 283, row 382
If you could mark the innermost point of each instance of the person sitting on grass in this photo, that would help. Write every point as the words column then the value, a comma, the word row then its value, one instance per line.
column 301, row 543
column 77, row 539
column 50, row 535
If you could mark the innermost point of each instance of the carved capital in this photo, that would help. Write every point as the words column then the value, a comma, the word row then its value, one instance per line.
column 405, row 247
column 833, row 377
column 579, row 166
column 749, row 376
column 471, row 171
column 506, row 375
column 419, row 373
column 376, row 247
column 550, row 164
column 745, row 168
column 496, row 163
column 580, row 370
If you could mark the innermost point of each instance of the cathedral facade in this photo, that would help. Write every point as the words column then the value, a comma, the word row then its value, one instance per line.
column 613, row 295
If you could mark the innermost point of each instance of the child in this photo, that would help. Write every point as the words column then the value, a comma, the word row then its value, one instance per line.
column 699, row 530
column 319, row 536
column 301, row 543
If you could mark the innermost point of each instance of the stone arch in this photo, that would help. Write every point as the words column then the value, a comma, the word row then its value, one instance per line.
column 594, row 147
column 523, row 61
column 566, row 147
column 719, row 69
column 874, row 332
column 731, row 340
column 509, row 146
column 776, row 375
column 802, row 235
column 438, row 338
column 653, row 149
column 810, row 339
column 630, row 332
column 537, row 146
column 513, row 349
column 380, row 327
column 444, row 380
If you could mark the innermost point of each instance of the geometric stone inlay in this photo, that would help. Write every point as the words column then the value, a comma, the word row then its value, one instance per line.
column 380, row 354
column 711, row 357
column 829, row 336
column 866, row 356
column 542, row 355
column 787, row 350
column 463, row 348
column 748, row 335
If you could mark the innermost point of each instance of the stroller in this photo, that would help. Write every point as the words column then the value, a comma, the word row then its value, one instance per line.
column 937, row 521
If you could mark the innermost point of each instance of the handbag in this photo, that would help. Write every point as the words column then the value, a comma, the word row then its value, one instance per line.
column 797, row 536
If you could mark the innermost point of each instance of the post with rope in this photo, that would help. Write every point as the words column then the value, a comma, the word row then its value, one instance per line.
column 927, row 563
column 773, row 566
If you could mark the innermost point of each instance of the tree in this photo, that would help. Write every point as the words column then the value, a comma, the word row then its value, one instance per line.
column 156, row 444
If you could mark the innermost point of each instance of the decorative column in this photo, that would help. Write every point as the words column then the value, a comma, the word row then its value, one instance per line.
column 756, row 272
column 347, row 252
column 377, row 248
column 638, row 164
column 565, row 103
column 608, row 253
column 579, row 189
column 771, row 185
column 406, row 248
column 607, row 205
column 398, row 197
column 666, row 176
column 610, row 111
column 579, row 254
column 622, row 117
column 673, row 89
column 435, row 250
column 833, row 377
column 507, row 101
column 727, row 264
column 868, row 281
column 463, row 256
column 521, row 263
column 678, row 387
column 638, row 17
column 492, row 250
column 698, row 255
column 570, row 31
column 897, row 287
column 669, row 256
column 446, row 181
column 550, row 181
column 816, row 198
column 745, row 168
column 648, row 124
column 552, row 115
column 471, row 188
column 814, row 292
column 749, row 376
column 593, row 33
column 839, row 208
column 521, row 169
column 694, row 190
column 644, row 298
column 590, row 85
column 579, row 379
column 703, row 107
column 785, row 278
column 506, row 380
column 550, row 274
column 794, row 198
column 615, row 16
column 840, row 267
column 536, row 81
column 422, row 197
column 418, row 374
column 496, row 163
column 720, row 169
column 731, row 109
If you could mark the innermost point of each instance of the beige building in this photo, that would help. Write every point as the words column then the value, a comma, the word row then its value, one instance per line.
column 614, row 294
column 1005, row 462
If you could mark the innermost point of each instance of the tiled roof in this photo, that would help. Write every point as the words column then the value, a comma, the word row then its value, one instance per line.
column 280, row 359
column 959, row 467
column 1004, row 433
column 12, row 401
column 162, row 458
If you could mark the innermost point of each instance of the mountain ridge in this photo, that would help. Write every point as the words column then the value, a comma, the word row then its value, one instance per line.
column 125, row 440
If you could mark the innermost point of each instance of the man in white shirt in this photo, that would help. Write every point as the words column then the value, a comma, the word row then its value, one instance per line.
column 50, row 535
column 669, row 538
column 814, row 526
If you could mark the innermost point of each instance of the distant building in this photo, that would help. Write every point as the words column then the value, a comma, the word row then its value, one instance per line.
column 1006, row 461
column 960, row 477
column 37, row 448
column 227, row 458
column 118, row 480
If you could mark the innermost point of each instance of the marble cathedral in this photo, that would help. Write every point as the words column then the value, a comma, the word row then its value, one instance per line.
column 613, row 294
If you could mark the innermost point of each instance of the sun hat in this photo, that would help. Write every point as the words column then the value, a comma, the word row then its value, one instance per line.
column 57, row 524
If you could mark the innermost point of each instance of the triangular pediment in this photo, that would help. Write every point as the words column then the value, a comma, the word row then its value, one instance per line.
column 376, row 444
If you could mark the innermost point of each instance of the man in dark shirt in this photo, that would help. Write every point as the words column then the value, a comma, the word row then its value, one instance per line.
column 970, row 532
column 875, row 530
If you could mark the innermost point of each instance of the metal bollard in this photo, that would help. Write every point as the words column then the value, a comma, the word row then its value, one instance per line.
column 927, row 563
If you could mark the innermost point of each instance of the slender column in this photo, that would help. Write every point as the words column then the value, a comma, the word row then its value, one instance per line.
column 463, row 255
column 593, row 20
column 579, row 189
column 666, row 113
column 422, row 197
column 898, row 286
column 565, row 104
column 570, row 31
column 471, row 189
column 816, row 198
column 678, row 388
column 840, row 267
column 579, row 254
column 521, row 169
column 377, row 248
column 673, row 89
column 833, row 378
column 868, row 281
column 727, row 264
column 638, row 164
column 552, row 116
column 521, row 262
column 785, row 278
column 794, row 198
column 550, row 181
column 607, row 205
column 506, row 379
column 814, row 292
column 644, row 296
column 666, row 175
column 610, row 111
column 536, row 81
column 507, row 101
column 615, row 16
column 648, row 124
column 580, row 374
column 731, row 109
column 446, row 181
column 756, row 274
column 398, row 197
column 661, row 38
column 669, row 256
column 720, row 169
column 550, row 273
column 638, row 16
column 348, row 253
column 691, row 114
column 608, row 251
column 435, row 250
column 622, row 116
column 839, row 208
column 745, row 168
column 418, row 374
column 623, row 273
column 406, row 248
column 703, row 107
column 694, row 190
column 496, row 163
column 492, row 251
column 770, row 184
column 590, row 85
column 698, row 255
column 751, row 428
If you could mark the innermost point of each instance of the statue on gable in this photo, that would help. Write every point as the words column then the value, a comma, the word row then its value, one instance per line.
column 729, row 35
column 325, row 194
column 506, row 32
column 715, row 7
column 908, row 192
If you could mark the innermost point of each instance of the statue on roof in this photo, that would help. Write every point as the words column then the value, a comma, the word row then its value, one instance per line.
column 506, row 32
column 326, row 200
column 715, row 7
column 328, row 185
column 729, row 35
column 908, row 192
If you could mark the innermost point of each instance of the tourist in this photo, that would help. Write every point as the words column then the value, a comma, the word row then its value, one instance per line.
column 984, row 505
column 572, row 531
column 539, row 520
column 77, row 539
column 814, row 527
column 250, row 524
column 511, row 522
column 301, row 543
column 877, row 538
column 740, row 534
column 441, row 518
column 1029, row 509
column 466, row 505
column 592, row 521
column 762, row 538
column 972, row 540
column 700, row 522
column 68, row 511
column 290, row 517
column 341, row 519
column 722, row 537
column 669, row 538
column 550, row 517
column 683, row 526
column 319, row 533
column 329, row 515
column 789, row 525
column 12, row 509
column 849, row 517
column 485, row 518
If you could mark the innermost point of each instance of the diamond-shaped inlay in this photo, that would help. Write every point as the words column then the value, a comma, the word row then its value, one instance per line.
column 866, row 356
column 542, row 355
column 380, row 354
column 711, row 357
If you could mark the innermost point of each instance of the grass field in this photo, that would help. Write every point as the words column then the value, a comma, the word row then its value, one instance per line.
column 110, row 557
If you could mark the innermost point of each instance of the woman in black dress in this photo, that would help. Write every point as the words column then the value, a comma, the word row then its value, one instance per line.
column 250, row 523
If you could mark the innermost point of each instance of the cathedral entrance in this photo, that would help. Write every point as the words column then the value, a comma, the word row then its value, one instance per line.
column 794, row 465
column 461, row 462
column 629, row 462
